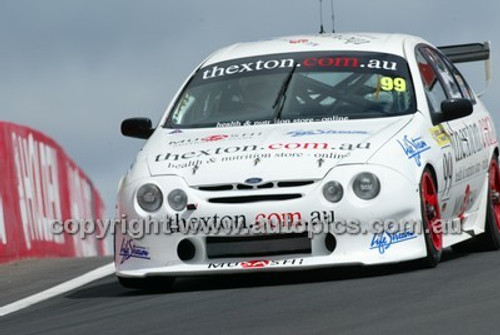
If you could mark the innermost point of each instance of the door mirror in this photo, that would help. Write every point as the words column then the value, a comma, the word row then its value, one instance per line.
column 138, row 127
column 455, row 108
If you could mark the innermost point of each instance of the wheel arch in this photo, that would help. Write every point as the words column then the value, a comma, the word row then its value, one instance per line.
column 433, row 173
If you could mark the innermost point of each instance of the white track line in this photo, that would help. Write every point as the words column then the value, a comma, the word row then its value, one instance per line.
column 72, row 284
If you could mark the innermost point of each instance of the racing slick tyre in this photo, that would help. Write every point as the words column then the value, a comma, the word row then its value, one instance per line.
column 157, row 284
column 431, row 220
column 490, row 240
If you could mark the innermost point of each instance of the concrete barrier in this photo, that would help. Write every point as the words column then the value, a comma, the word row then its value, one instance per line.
column 38, row 184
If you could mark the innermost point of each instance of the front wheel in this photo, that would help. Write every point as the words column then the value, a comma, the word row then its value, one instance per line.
column 431, row 220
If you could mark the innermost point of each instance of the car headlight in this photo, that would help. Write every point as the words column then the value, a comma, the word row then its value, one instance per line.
column 177, row 199
column 149, row 197
column 333, row 191
column 366, row 185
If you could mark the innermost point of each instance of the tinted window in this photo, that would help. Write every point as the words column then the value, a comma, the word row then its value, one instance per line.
column 433, row 87
column 297, row 87
column 464, row 87
column 444, row 71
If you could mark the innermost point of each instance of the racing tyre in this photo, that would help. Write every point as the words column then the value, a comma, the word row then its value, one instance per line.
column 431, row 220
column 490, row 240
column 156, row 284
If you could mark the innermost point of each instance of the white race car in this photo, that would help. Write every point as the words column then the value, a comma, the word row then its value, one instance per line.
column 307, row 152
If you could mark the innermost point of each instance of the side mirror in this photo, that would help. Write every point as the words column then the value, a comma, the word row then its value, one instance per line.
column 455, row 108
column 138, row 127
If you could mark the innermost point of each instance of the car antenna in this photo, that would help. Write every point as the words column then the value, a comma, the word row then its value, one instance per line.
column 321, row 29
column 333, row 16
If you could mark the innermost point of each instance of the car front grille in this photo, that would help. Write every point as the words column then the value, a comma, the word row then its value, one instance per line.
column 266, row 185
column 257, row 246
column 254, row 198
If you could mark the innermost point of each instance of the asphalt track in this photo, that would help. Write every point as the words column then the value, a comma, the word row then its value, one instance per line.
column 461, row 296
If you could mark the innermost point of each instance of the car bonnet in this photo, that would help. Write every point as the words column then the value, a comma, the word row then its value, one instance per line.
column 272, row 152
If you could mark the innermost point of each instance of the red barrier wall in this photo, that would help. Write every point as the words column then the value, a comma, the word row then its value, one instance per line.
column 40, row 183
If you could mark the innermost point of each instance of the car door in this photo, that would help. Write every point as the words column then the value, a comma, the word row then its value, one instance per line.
column 465, row 160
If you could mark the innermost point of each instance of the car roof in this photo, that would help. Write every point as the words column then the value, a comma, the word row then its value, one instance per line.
column 386, row 43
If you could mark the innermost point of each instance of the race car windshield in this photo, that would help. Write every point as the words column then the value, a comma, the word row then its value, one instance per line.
column 299, row 87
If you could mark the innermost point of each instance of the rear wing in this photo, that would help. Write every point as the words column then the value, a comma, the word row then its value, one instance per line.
column 473, row 52
column 465, row 53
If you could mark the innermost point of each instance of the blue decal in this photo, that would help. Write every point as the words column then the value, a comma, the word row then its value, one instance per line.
column 383, row 241
column 414, row 148
column 130, row 250
column 299, row 133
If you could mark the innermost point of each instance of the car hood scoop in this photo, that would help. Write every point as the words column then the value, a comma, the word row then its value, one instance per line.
column 268, row 153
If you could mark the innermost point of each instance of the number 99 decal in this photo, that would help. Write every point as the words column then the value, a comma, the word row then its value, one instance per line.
column 390, row 84
column 447, row 174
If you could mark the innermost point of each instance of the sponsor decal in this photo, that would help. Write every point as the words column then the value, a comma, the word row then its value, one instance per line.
column 300, row 133
column 466, row 141
column 38, row 187
column 281, row 121
column 81, row 198
column 297, row 41
column 129, row 250
column 177, row 223
column 488, row 131
column 239, row 124
column 38, row 202
column 278, row 219
column 472, row 138
column 261, row 222
column 383, row 241
column 293, row 219
column 440, row 135
column 196, row 158
column 204, row 153
column 257, row 264
column 413, row 148
column 349, row 62
column 465, row 204
column 321, row 217
column 303, row 41
column 259, row 65
column 309, row 120
column 352, row 39
column 214, row 138
column 465, row 172
column 321, row 62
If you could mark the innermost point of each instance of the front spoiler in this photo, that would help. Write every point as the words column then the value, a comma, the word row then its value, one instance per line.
column 293, row 263
column 158, row 254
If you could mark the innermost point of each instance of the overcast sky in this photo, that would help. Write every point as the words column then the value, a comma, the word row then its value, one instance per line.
column 75, row 69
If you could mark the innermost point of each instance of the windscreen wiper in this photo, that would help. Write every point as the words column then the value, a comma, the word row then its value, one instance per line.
column 281, row 98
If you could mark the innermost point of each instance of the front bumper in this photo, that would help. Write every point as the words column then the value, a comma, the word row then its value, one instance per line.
column 157, row 254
